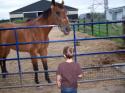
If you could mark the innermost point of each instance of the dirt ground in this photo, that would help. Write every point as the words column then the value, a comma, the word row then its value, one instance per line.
column 116, row 86
column 98, row 87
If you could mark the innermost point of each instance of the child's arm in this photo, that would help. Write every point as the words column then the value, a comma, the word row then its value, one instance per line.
column 58, row 80
column 79, row 71
column 80, row 76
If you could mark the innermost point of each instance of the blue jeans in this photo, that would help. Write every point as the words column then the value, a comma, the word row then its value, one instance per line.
column 68, row 90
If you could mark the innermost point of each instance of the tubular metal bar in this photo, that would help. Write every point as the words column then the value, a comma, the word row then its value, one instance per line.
column 18, row 56
column 94, row 23
column 104, row 66
column 83, row 68
column 99, row 53
column 98, row 38
column 104, row 79
column 82, row 54
column 29, row 72
column 75, row 40
column 30, row 85
column 82, row 81
column 27, row 58
column 37, row 42
column 68, row 40
column 46, row 26
column 27, row 27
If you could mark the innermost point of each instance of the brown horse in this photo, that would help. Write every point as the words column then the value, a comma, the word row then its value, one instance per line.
column 55, row 15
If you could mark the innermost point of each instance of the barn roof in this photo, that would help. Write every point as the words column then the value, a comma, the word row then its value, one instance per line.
column 41, row 5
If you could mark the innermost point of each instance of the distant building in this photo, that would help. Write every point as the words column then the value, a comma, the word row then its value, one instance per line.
column 115, row 14
column 36, row 9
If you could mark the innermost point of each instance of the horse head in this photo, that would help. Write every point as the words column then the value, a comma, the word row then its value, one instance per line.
column 59, row 15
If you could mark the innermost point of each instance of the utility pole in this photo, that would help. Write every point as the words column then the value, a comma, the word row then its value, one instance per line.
column 106, row 7
column 95, row 4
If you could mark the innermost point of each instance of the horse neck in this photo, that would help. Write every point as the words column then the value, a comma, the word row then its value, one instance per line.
column 41, row 21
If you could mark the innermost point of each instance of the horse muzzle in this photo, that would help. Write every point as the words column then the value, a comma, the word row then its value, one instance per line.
column 65, row 29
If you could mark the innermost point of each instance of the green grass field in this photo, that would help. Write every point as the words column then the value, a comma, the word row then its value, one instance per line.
column 103, row 30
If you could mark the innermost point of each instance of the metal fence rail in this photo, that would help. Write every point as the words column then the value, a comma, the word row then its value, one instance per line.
column 53, row 56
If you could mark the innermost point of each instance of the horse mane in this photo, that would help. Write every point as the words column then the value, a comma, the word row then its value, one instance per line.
column 47, row 12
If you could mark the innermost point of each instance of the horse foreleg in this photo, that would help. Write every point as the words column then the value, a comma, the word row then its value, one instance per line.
column 3, row 68
column 4, row 53
column 45, row 65
column 35, row 67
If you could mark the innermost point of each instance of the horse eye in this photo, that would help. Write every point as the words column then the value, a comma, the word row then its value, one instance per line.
column 58, row 13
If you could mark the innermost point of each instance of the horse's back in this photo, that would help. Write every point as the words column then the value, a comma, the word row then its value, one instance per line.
column 8, row 36
column 24, row 35
column 4, row 34
column 7, row 25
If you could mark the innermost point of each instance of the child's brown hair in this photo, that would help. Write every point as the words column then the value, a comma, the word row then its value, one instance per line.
column 68, row 52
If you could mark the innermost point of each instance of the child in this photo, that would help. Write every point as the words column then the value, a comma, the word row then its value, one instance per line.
column 68, row 72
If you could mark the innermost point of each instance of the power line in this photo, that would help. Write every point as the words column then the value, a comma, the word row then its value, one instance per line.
column 98, row 3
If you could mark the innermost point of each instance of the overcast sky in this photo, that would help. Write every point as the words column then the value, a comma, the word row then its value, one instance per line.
column 7, row 6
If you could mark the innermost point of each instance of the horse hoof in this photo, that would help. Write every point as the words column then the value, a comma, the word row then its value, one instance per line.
column 38, row 86
column 49, row 81
column 37, row 82
column 4, row 74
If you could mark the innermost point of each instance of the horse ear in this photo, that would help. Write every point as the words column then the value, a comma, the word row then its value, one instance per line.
column 62, row 2
column 53, row 2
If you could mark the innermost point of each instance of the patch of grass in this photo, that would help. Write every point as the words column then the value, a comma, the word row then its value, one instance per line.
column 19, row 21
column 102, row 30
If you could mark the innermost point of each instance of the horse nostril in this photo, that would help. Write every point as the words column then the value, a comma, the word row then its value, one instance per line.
column 68, row 29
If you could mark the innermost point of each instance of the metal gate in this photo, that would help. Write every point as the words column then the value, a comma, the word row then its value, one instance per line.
column 114, row 76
